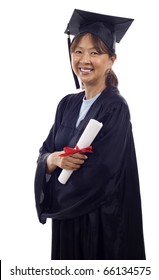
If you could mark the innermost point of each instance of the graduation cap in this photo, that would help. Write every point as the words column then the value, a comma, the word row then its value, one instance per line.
column 110, row 29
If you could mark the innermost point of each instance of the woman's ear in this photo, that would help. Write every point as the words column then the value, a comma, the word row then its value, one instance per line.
column 111, row 61
column 113, row 58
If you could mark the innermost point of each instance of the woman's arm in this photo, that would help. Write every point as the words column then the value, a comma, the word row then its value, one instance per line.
column 72, row 162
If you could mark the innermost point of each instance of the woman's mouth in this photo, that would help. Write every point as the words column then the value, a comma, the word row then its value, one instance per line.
column 86, row 70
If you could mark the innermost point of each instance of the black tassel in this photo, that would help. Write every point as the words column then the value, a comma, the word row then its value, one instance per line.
column 74, row 75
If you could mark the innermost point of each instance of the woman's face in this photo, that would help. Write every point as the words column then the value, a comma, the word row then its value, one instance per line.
column 89, row 65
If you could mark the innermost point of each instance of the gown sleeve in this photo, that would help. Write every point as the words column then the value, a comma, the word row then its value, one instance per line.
column 48, row 147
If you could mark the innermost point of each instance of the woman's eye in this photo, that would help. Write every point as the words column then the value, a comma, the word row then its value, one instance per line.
column 78, row 51
column 94, row 53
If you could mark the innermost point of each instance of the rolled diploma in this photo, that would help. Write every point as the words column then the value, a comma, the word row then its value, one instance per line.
column 87, row 137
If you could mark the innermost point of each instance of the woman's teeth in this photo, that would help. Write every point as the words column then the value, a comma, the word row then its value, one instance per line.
column 86, row 70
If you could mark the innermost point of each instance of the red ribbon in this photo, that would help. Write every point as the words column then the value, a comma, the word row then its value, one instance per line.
column 70, row 151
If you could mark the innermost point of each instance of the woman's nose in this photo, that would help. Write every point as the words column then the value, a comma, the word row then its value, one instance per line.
column 85, row 58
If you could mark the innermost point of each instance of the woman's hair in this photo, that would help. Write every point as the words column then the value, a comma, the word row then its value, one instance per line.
column 111, row 78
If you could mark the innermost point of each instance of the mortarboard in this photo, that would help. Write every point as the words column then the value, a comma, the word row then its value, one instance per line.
column 110, row 29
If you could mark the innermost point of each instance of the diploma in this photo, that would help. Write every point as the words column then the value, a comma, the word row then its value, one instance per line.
column 87, row 137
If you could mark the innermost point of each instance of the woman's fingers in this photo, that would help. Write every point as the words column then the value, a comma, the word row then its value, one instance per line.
column 73, row 162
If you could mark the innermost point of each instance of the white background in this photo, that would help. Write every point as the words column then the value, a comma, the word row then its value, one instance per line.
column 34, row 75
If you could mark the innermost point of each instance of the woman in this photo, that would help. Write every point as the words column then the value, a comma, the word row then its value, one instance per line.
column 97, row 213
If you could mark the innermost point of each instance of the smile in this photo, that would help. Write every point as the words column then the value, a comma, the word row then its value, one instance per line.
column 86, row 70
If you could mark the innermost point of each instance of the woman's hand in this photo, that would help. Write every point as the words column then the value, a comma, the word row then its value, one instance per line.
column 71, row 162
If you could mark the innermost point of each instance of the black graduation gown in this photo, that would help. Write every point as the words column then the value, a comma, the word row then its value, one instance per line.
column 97, row 213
